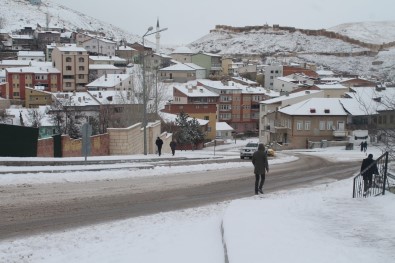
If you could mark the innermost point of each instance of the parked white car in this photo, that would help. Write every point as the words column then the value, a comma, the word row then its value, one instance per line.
column 248, row 150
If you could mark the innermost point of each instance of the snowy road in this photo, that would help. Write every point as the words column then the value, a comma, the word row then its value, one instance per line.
column 36, row 208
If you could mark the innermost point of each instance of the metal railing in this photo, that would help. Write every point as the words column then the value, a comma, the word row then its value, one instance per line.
column 379, row 181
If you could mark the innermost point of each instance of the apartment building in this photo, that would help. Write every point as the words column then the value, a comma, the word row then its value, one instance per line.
column 48, row 79
column 73, row 63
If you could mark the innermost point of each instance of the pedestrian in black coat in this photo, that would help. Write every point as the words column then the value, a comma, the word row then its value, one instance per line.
column 159, row 144
column 173, row 146
column 261, row 167
column 362, row 146
column 368, row 174
column 365, row 146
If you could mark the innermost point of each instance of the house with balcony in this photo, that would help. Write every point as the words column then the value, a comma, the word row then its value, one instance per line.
column 272, row 105
column 311, row 120
column 211, row 62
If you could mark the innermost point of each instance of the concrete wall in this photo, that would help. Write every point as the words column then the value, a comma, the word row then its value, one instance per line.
column 118, row 141
column 128, row 141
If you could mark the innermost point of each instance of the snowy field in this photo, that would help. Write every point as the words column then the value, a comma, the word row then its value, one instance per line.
column 318, row 224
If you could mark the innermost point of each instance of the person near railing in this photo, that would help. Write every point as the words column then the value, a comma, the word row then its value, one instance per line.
column 368, row 168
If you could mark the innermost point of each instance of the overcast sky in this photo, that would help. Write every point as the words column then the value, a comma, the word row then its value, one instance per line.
column 187, row 20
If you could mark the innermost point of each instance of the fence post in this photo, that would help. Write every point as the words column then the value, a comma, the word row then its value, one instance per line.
column 385, row 172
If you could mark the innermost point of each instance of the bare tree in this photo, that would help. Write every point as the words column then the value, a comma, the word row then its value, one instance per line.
column 35, row 117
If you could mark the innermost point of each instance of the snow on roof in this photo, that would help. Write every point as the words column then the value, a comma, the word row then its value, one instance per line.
column 194, row 66
column 217, row 85
column 22, row 36
column 103, row 66
column 223, row 126
column 35, row 70
column 71, row 49
column 106, row 58
column 26, row 115
column 113, row 97
column 286, row 79
column 171, row 118
column 325, row 72
column 182, row 50
column 126, row 48
column 178, row 67
column 316, row 107
column 331, row 86
column 76, row 99
column 245, row 80
column 373, row 100
column 195, row 91
column 31, row 54
column 109, row 80
column 290, row 96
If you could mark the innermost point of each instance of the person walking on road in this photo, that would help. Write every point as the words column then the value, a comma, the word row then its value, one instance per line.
column 159, row 144
column 362, row 146
column 173, row 146
column 368, row 174
column 261, row 167
column 365, row 146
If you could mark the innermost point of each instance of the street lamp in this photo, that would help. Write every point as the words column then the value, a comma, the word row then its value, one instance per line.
column 144, row 88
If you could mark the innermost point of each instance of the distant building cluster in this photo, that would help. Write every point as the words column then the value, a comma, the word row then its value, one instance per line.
column 71, row 78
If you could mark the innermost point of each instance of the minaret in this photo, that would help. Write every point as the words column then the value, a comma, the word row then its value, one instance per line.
column 157, row 37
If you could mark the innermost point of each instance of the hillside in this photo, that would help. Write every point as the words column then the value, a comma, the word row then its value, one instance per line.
column 20, row 13
column 370, row 32
column 342, row 52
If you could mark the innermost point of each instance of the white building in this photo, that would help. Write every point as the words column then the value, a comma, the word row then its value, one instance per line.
column 111, row 82
column 31, row 55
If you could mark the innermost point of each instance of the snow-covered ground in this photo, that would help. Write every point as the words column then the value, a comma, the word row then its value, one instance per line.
column 318, row 224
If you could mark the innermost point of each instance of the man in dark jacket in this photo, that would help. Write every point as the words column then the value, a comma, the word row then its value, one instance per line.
column 159, row 144
column 261, row 167
column 173, row 146
column 371, row 167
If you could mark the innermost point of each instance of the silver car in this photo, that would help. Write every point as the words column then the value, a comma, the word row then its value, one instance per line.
column 248, row 150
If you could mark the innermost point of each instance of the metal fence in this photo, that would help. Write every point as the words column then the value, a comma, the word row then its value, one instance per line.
column 379, row 181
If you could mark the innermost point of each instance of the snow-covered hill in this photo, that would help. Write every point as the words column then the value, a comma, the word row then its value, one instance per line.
column 20, row 13
column 294, row 46
column 369, row 32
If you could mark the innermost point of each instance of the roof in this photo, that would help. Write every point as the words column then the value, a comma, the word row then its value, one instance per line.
column 178, row 67
column 113, row 97
column 31, row 53
column 35, row 70
column 290, row 96
column 195, row 91
column 223, row 126
column 372, row 100
column 103, row 66
column 331, row 86
column 126, row 48
column 106, row 58
column 76, row 99
column 321, row 107
column 109, row 80
column 71, row 49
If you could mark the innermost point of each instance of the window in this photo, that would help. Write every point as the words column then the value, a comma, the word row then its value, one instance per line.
column 329, row 125
column 81, row 60
column 81, row 76
column 299, row 125
column 68, row 84
column 68, row 67
column 68, row 59
column 322, row 125
column 81, row 68
column 307, row 125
